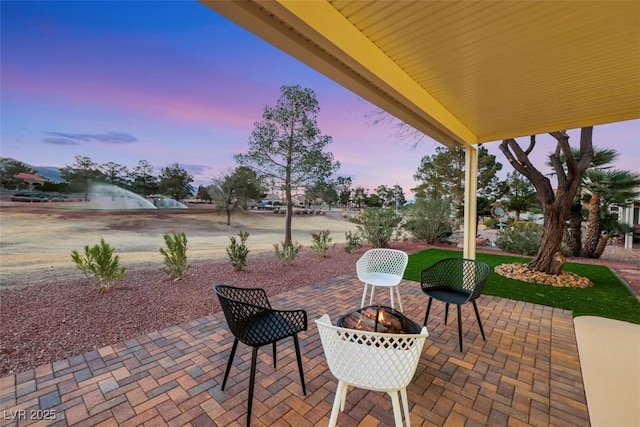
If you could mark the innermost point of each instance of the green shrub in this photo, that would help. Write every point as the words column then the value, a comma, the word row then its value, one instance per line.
column 490, row 222
column 428, row 220
column 238, row 251
column 175, row 255
column 100, row 263
column 376, row 225
column 287, row 252
column 354, row 242
column 322, row 243
column 520, row 237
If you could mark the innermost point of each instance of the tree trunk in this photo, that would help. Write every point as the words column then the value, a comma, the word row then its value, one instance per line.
column 288, row 217
column 593, row 228
column 289, row 207
column 574, row 235
column 87, row 183
column 556, row 205
column 549, row 258
column 602, row 244
column 557, row 262
column 228, row 214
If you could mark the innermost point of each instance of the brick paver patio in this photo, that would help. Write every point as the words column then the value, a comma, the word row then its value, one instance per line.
column 526, row 373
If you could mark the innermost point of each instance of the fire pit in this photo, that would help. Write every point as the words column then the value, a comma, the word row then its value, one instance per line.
column 378, row 318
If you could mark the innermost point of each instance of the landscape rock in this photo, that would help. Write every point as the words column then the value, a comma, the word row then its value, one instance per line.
column 523, row 273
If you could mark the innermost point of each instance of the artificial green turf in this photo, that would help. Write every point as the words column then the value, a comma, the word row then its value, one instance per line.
column 607, row 298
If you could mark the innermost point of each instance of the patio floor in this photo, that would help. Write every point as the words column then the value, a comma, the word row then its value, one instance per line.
column 526, row 373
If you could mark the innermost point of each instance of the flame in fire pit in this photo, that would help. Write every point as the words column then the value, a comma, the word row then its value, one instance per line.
column 379, row 319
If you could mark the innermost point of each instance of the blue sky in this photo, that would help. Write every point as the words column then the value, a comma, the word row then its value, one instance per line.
column 172, row 81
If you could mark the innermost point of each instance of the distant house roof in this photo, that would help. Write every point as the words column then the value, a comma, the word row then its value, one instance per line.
column 29, row 177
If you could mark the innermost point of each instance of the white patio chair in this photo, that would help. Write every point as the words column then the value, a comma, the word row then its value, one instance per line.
column 373, row 361
column 382, row 267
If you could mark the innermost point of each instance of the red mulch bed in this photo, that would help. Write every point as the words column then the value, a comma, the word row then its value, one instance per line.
column 67, row 316
column 45, row 323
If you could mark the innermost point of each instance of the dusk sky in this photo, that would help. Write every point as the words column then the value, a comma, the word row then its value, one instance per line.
column 172, row 81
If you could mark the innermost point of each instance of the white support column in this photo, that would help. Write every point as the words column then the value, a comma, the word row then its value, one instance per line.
column 628, row 219
column 470, row 205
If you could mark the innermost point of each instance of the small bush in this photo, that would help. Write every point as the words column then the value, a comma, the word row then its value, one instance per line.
column 490, row 222
column 100, row 263
column 376, row 226
column 238, row 251
column 175, row 255
column 521, row 237
column 354, row 242
column 428, row 220
column 322, row 243
column 287, row 252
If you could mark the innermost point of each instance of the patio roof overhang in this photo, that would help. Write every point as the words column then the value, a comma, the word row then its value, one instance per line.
column 465, row 72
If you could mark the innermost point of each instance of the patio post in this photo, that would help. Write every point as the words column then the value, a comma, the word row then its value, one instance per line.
column 627, row 217
column 470, row 203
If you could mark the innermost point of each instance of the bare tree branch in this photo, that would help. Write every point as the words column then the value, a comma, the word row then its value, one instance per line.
column 556, row 158
column 532, row 144
column 520, row 161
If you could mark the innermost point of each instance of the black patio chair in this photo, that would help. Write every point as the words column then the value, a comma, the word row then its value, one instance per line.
column 253, row 322
column 455, row 281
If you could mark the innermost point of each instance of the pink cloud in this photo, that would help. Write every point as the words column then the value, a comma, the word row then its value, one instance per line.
column 175, row 106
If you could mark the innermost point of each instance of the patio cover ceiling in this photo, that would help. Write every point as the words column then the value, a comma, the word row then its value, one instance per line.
column 466, row 72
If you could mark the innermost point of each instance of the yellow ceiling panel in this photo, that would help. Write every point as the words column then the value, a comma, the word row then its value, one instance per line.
column 465, row 72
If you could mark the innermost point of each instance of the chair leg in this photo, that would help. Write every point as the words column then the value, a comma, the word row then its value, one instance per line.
column 391, row 296
column 274, row 355
column 364, row 295
column 252, row 383
column 337, row 401
column 426, row 316
column 226, row 372
column 446, row 313
column 373, row 288
column 399, row 300
column 397, row 415
column 343, row 396
column 405, row 406
column 297, row 344
column 459, row 326
column 475, row 308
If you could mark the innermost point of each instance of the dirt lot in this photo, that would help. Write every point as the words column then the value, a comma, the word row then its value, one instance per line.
column 49, row 311
column 36, row 242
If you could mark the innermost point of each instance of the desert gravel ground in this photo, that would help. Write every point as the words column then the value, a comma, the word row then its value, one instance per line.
column 49, row 311
column 36, row 243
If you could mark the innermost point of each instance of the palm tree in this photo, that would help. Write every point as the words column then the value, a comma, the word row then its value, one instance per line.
column 573, row 236
column 603, row 188
column 601, row 159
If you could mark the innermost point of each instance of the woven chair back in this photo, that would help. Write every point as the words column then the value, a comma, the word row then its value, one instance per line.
column 468, row 274
column 251, row 318
column 381, row 260
column 371, row 360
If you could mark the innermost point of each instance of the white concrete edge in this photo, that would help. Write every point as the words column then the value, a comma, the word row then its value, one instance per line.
column 609, row 352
